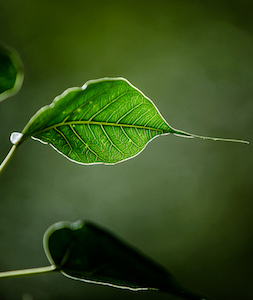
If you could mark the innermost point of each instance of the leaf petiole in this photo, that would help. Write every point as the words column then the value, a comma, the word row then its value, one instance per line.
column 27, row 272
column 7, row 158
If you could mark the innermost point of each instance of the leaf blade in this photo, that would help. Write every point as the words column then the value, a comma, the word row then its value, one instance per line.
column 106, row 121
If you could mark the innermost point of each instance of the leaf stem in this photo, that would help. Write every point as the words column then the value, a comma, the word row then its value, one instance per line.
column 27, row 272
column 7, row 158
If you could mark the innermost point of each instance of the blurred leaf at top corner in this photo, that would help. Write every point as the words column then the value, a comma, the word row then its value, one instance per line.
column 11, row 72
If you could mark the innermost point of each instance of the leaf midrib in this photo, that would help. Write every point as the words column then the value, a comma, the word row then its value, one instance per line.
column 99, row 123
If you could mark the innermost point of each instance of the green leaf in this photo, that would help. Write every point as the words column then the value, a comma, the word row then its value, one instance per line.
column 11, row 72
column 106, row 121
column 86, row 252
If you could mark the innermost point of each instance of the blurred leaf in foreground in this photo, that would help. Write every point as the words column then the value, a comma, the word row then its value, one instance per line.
column 86, row 252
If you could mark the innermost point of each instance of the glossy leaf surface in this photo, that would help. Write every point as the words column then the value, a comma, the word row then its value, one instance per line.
column 11, row 72
column 106, row 121
column 86, row 252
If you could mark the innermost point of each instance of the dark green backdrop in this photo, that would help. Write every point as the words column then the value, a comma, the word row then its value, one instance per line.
column 187, row 203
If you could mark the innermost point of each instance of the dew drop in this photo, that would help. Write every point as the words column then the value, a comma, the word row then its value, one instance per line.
column 16, row 137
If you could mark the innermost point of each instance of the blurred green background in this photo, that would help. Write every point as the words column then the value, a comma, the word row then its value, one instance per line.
column 185, row 202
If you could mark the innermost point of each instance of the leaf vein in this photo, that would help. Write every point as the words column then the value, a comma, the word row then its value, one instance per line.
column 85, row 144
column 128, row 112
column 128, row 137
column 111, row 142
column 150, row 120
column 142, row 115
column 107, row 105
column 83, row 104
column 66, row 140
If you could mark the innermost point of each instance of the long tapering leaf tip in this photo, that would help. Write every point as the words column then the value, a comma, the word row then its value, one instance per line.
column 184, row 134
column 16, row 137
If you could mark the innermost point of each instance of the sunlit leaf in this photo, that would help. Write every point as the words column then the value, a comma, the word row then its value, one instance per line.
column 11, row 72
column 86, row 252
column 105, row 121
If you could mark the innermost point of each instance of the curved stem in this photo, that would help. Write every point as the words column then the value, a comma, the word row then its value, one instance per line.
column 27, row 272
column 7, row 158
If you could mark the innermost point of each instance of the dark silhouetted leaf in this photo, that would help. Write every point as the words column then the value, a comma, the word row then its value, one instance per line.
column 86, row 252
column 106, row 121
column 11, row 72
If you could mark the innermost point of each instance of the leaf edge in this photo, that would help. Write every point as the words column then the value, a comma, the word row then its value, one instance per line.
column 82, row 88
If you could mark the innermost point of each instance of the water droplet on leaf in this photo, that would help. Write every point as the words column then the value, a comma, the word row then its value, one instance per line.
column 16, row 137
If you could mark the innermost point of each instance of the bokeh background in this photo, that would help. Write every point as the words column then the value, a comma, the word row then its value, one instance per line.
column 187, row 203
